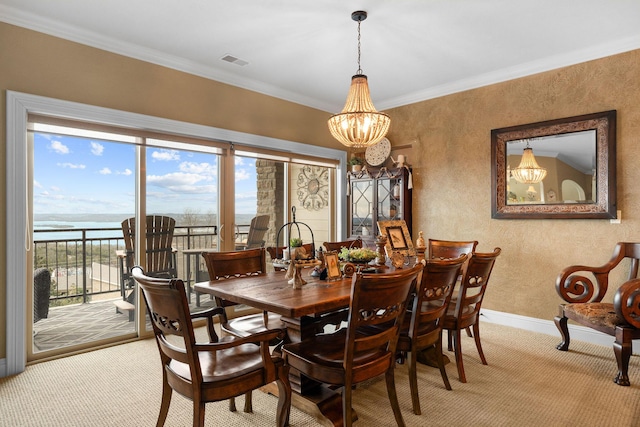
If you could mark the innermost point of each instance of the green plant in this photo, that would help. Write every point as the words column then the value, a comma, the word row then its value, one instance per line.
column 355, row 161
column 295, row 242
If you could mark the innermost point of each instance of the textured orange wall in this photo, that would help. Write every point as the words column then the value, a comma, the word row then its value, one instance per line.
column 451, row 150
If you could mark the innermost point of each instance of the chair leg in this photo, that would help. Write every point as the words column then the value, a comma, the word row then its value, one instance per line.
column 393, row 396
column 248, row 407
column 440, row 360
column 347, row 414
column 622, row 347
column 449, row 340
column 284, row 398
column 561, row 324
column 413, row 381
column 232, row 404
column 476, row 336
column 469, row 332
column 198, row 414
column 457, row 345
column 166, row 402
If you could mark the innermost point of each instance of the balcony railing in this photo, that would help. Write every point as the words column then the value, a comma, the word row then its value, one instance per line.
column 84, row 264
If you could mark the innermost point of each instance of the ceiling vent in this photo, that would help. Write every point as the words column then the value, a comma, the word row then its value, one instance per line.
column 232, row 59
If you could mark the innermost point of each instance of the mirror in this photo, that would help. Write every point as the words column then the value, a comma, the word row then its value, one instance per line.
column 564, row 168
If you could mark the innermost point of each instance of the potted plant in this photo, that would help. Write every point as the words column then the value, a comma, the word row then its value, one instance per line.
column 295, row 249
column 356, row 164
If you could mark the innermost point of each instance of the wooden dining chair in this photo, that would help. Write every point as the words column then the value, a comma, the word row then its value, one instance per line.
column 422, row 326
column 350, row 244
column 466, row 311
column 213, row 371
column 348, row 356
column 451, row 249
column 276, row 253
column 233, row 264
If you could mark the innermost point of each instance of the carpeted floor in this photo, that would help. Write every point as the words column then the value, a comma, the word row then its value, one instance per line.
column 527, row 383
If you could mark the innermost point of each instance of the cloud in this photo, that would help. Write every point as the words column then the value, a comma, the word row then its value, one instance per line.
column 242, row 175
column 125, row 172
column 165, row 155
column 105, row 171
column 71, row 165
column 203, row 168
column 181, row 182
column 36, row 184
column 54, row 188
column 96, row 149
column 59, row 147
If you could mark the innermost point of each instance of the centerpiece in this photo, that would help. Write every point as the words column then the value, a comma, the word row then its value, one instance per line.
column 357, row 255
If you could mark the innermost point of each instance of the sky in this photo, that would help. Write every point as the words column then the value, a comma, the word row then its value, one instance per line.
column 83, row 175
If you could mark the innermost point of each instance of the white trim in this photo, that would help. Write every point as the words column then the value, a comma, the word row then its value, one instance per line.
column 21, row 104
column 548, row 327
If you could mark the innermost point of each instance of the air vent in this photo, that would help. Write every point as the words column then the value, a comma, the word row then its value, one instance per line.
column 232, row 59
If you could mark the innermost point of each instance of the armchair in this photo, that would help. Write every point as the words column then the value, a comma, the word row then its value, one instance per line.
column 583, row 289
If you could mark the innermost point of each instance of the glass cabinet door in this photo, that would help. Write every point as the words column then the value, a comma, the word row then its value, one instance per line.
column 389, row 199
column 362, row 206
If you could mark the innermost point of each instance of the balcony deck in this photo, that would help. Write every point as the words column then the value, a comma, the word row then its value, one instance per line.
column 76, row 324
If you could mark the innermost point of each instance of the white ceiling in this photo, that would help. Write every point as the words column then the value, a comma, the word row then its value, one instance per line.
column 306, row 51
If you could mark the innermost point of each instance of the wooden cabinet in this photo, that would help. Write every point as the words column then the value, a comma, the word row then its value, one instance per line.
column 377, row 195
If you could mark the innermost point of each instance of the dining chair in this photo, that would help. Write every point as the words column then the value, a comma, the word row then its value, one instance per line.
column 255, row 237
column 213, row 371
column 451, row 249
column 422, row 326
column 233, row 264
column 350, row 244
column 466, row 311
column 348, row 356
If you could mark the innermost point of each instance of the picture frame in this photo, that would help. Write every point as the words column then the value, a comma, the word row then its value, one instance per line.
column 332, row 262
column 398, row 237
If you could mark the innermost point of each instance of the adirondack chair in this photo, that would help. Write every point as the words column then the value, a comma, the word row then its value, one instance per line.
column 255, row 238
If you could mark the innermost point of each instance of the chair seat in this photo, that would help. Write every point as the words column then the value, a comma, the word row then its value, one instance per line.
column 252, row 323
column 598, row 315
column 327, row 350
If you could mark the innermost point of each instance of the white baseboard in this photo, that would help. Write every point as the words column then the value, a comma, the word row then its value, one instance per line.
column 576, row 332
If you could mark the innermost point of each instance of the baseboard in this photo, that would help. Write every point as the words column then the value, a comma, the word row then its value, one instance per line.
column 3, row 368
column 577, row 332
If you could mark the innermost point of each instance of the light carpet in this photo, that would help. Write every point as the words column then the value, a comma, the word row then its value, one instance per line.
column 527, row 383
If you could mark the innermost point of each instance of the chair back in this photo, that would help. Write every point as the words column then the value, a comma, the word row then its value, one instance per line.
column 160, row 256
column 432, row 296
column 350, row 244
column 377, row 300
column 450, row 249
column 231, row 264
column 257, row 230
column 168, row 310
column 473, row 286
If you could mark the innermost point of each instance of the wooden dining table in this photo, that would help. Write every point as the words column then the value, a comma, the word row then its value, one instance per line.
column 305, row 312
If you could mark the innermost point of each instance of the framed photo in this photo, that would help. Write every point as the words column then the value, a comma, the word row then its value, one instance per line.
column 398, row 237
column 333, row 265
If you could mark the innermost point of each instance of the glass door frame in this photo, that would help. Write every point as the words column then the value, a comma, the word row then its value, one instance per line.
column 19, row 106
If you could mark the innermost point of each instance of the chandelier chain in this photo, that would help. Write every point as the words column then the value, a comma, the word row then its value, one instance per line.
column 359, row 68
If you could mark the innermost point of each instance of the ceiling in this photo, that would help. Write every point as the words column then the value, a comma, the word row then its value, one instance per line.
column 306, row 51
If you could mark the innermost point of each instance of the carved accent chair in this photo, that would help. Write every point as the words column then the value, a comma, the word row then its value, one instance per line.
column 583, row 288
column 207, row 372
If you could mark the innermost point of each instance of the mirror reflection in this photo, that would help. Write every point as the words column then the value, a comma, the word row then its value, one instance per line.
column 552, row 169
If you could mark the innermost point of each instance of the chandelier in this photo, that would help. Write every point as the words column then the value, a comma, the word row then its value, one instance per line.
column 528, row 171
column 359, row 125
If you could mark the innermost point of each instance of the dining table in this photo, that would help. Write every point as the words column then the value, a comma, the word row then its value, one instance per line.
column 305, row 312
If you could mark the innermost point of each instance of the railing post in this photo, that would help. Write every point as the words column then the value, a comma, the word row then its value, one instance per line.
column 84, row 266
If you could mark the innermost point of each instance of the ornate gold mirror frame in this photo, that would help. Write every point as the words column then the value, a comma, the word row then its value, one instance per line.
column 601, row 204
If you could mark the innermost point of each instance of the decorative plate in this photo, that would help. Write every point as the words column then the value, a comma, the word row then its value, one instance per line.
column 378, row 153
